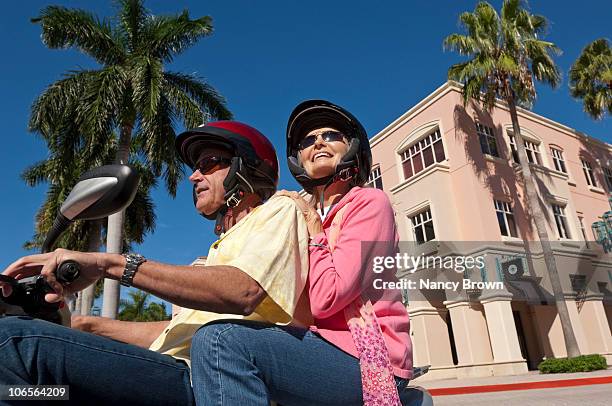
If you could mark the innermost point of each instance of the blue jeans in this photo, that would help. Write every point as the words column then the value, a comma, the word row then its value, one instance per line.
column 249, row 363
column 97, row 369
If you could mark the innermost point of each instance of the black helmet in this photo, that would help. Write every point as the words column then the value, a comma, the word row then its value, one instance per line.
column 253, row 168
column 313, row 114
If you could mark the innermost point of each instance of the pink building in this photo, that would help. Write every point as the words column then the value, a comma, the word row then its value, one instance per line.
column 450, row 174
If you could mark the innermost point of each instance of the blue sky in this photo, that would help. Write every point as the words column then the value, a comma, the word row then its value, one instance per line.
column 377, row 60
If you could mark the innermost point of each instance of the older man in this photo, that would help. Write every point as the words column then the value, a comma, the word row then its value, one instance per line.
column 254, row 271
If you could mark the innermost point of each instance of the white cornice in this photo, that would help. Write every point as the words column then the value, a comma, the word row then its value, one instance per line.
column 420, row 106
column 454, row 86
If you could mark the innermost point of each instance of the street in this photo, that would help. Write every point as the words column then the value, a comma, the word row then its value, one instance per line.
column 593, row 395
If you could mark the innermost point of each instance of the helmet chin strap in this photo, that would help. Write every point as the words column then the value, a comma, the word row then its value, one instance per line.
column 235, row 185
column 232, row 199
column 219, row 223
column 343, row 175
column 349, row 160
column 322, row 197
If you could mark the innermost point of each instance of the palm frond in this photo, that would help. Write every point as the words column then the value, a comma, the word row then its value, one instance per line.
column 539, row 24
column 506, row 63
column 164, row 37
column 191, row 112
column 510, row 10
column 205, row 95
column 472, row 89
column 591, row 78
column 463, row 44
column 157, row 139
column 36, row 174
column 65, row 28
column 103, row 101
column 506, row 54
column 132, row 16
column 140, row 216
column 51, row 105
column 147, row 81
column 488, row 24
column 142, row 209
column 469, row 21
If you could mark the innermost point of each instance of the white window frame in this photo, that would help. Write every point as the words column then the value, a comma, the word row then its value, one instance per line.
column 513, row 149
column 589, row 174
column 375, row 175
column 506, row 210
column 583, row 230
column 563, row 230
column 558, row 161
column 608, row 177
column 418, row 220
column 532, row 143
column 532, row 149
column 489, row 135
column 415, row 150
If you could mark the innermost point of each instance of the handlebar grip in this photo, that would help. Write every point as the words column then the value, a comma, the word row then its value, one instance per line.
column 68, row 272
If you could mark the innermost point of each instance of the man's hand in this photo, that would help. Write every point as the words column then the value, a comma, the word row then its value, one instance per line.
column 313, row 220
column 5, row 287
column 93, row 266
column 219, row 288
column 81, row 323
column 140, row 333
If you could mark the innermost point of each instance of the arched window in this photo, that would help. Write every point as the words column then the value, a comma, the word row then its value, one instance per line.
column 375, row 178
column 532, row 146
column 421, row 149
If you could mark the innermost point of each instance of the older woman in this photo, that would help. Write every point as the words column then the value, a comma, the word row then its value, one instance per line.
column 329, row 155
column 357, row 350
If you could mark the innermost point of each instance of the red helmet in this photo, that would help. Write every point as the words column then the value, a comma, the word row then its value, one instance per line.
column 254, row 167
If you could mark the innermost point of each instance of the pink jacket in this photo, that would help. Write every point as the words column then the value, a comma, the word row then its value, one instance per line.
column 337, row 278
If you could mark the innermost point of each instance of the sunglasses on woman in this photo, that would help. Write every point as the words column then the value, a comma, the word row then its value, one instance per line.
column 327, row 136
column 210, row 164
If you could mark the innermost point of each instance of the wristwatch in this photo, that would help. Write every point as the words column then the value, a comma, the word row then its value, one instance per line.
column 132, row 262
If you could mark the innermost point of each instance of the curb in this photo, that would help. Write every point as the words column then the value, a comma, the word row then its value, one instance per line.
column 463, row 390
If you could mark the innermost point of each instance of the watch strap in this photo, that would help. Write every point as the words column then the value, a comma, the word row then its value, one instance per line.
column 132, row 262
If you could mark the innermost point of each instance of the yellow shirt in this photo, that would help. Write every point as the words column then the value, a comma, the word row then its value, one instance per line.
column 270, row 244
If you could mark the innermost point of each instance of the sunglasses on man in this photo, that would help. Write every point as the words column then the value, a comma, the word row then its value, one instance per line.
column 327, row 136
column 210, row 164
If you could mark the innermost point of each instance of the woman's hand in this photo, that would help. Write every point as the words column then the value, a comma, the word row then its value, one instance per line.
column 92, row 264
column 313, row 221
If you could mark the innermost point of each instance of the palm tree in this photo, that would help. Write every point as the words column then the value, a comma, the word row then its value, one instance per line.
column 591, row 78
column 66, row 162
column 87, row 296
column 62, row 170
column 137, row 308
column 131, row 92
column 506, row 57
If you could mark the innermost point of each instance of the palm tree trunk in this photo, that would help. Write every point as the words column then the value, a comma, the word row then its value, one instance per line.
column 93, row 245
column 114, row 238
column 571, row 344
column 74, row 305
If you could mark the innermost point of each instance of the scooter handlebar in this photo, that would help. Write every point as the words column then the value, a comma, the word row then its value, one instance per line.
column 68, row 272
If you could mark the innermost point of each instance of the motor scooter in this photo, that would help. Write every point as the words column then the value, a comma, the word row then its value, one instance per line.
column 99, row 193
column 418, row 396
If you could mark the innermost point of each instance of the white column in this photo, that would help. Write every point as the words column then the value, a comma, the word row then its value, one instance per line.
column 431, row 342
column 471, row 339
column 595, row 324
column 502, row 333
